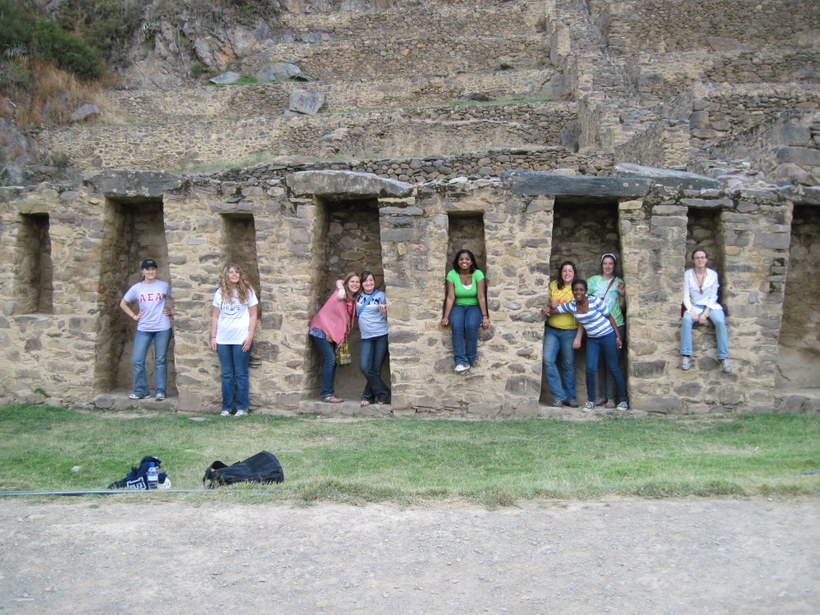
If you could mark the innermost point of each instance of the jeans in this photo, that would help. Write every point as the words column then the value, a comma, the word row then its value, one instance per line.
column 559, row 342
column 327, row 373
column 142, row 341
column 610, row 351
column 372, row 353
column 233, row 363
column 721, row 333
column 465, row 321
column 606, row 379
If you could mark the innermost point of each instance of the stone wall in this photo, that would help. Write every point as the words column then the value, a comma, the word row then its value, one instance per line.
column 661, row 76
column 310, row 227
column 659, row 26
column 401, row 132
column 149, row 107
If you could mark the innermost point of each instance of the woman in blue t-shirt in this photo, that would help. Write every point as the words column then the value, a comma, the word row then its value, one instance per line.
column 371, row 311
column 465, row 308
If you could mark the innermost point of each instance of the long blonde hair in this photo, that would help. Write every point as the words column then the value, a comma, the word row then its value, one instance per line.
column 242, row 288
column 348, row 295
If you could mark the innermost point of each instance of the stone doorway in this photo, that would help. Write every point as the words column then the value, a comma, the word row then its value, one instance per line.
column 799, row 342
column 132, row 230
column 348, row 240
column 584, row 229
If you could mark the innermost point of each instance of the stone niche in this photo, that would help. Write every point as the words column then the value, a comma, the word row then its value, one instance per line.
column 295, row 236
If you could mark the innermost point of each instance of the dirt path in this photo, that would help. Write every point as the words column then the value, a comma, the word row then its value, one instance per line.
column 635, row 556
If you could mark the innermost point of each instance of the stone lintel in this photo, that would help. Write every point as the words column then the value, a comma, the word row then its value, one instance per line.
column 134, row 185
column 708, row 203
column 242, row 207
column 554, row 184
column 803, row 195
column 345, row 183
column 680, row 180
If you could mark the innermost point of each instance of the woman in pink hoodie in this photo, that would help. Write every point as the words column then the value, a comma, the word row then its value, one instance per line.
column 329, row 327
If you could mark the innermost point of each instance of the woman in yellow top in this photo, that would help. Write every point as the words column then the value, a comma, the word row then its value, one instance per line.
column 559, row 339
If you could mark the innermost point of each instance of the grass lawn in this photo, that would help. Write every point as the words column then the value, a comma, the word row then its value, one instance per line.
column 420, row 461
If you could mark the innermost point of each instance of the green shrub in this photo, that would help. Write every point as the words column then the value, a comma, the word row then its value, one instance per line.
column 23, row 32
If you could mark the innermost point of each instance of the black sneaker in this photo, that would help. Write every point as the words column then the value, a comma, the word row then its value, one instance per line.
column 570, row 402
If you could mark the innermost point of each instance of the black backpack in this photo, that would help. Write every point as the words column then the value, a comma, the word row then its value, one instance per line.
column 261, row 468
column 137, row 478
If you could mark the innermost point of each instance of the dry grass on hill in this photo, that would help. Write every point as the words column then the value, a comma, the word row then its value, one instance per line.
column 54, row 94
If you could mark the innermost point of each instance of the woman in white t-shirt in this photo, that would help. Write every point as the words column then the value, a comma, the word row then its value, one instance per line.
column 233, row 325
column 153, row 326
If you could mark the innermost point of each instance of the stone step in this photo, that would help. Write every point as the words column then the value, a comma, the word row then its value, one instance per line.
column 381, row 134
column 441, row 19
column 212, row 102
column 387, row 57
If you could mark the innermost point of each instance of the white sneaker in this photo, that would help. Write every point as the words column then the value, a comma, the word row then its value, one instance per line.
column 623, row 406
column 241, row 413
column 225, row 413
column 135, row 396
column 685, row 362
column 589, row 406
column 727, row 366
column 460, row 369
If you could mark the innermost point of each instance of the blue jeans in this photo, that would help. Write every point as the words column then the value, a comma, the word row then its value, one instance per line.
column 142, row 341
column 233, row 362
column 606, row 379
column 559, row 342
column 465, row 321
column 327, row 373
column 372, row 353
column 721, row 333
column 605, row 344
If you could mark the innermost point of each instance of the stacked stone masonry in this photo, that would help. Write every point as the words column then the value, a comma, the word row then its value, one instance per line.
column 68, row 354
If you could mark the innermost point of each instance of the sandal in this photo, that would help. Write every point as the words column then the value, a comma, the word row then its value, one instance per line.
column 610, row 404
column 332, row 399
column 364, row 403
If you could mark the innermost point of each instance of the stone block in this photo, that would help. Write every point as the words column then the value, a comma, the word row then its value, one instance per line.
column 554, row 184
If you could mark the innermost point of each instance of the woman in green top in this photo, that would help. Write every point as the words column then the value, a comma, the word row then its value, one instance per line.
column 465, row 309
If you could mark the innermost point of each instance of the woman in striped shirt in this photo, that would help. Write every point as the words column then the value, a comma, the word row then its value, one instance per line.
column 593, row 316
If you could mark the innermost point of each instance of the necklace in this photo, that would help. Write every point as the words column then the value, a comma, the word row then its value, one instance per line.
column 700, row 280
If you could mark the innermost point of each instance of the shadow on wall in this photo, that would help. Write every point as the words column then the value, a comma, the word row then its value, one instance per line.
column 799, row 351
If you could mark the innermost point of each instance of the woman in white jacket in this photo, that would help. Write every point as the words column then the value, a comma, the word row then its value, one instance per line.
column 700, row 300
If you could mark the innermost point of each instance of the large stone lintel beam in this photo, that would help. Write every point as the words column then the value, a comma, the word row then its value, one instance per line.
column 134, row 185
column 555, row 184
column 346, row 184
column 680, row 180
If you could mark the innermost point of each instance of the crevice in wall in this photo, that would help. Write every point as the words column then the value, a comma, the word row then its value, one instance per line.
column 799, row 341
column 34, row 273
column 132, row 231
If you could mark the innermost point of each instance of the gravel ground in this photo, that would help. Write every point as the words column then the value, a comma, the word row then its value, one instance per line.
column 93, row 556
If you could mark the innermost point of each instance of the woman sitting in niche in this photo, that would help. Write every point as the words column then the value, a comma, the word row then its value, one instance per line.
column 603, row 336
column 465, row 308
column 371, row 312
column 700, row 303
column 329, row 328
